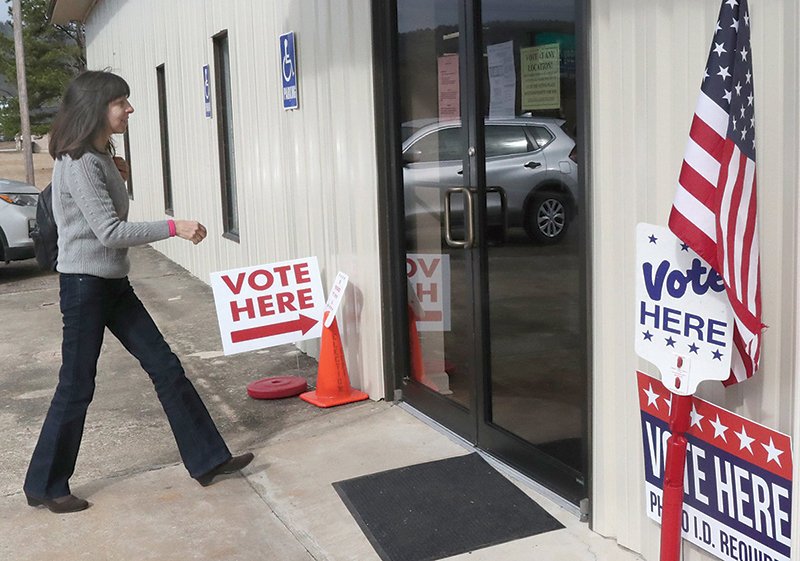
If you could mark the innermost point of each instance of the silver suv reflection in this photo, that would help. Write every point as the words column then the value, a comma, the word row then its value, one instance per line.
column 531, row 160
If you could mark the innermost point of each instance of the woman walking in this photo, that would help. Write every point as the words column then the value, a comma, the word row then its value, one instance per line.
column 90, row 206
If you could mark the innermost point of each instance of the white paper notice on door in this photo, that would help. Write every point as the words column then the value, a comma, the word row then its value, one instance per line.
column 502, row 80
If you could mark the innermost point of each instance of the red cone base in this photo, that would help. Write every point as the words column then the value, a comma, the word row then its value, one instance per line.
column 277, row 388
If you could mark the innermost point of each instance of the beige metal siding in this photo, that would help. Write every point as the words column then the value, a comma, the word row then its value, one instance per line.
column 306, row 180
column 647, row 59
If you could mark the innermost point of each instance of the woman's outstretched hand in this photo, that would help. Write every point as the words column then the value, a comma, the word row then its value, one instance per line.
column 190, row 230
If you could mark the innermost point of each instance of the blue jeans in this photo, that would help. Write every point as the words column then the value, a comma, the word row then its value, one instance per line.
column 89, row 304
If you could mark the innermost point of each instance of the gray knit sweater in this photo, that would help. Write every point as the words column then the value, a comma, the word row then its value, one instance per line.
column 90, row 207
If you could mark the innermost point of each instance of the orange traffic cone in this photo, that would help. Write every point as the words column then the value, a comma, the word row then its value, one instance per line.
column 333, row 383
column 417, row 364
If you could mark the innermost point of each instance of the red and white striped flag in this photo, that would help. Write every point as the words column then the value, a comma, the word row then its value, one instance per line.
column 715, row 205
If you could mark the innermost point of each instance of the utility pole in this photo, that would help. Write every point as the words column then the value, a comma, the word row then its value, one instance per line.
column 22, row 87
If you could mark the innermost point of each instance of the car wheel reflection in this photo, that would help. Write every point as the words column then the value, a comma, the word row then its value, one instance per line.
column 547, row 218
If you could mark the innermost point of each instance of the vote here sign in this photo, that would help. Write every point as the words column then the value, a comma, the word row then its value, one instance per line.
column 683, row 318
column 268, row 305
column 737, row 500
column 429, row 279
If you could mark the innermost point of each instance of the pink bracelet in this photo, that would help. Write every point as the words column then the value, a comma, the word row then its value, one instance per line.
column 172, row 230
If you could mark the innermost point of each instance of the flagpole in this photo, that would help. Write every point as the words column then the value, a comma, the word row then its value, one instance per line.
column 672, row 495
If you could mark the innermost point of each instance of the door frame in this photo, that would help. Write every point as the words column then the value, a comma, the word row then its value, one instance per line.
column 391, row 214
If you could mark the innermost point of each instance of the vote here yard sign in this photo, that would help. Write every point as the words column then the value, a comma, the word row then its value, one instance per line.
column 737, row 501
column 684, row 322
column 268, row 305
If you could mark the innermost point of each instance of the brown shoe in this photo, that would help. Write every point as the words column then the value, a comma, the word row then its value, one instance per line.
column 234, row 464
column 61, row 505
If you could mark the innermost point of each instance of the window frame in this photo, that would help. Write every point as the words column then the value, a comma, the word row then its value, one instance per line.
column 163, row 123
column 126, row 146
column 225, row 136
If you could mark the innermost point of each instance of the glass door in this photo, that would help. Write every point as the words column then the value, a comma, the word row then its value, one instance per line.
column 494, row 226
column 439, row 203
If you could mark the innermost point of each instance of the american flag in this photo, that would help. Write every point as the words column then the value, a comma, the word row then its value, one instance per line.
column 715, row 205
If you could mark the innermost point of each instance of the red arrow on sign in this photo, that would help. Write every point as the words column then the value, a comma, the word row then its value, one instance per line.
column 303, row 323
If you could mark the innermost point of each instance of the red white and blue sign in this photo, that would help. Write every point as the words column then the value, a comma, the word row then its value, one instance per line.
column 737, row 501
column 288, row 71
column 684, row 322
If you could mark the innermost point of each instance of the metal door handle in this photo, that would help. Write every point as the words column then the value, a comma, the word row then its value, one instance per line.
column 503, row 206
column 469, row 240
column 533, row 165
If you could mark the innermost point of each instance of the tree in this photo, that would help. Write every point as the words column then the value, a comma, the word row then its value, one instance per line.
column 54, row 54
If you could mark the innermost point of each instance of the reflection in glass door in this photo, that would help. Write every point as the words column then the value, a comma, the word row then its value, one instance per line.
column 439, row 227
column 494, row 226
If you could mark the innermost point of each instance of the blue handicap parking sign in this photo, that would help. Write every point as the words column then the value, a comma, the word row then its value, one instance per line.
column 207, row 90
column 288, row 65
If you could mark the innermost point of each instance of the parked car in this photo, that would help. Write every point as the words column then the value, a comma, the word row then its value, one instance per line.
column 530, row 161
column 17, row 219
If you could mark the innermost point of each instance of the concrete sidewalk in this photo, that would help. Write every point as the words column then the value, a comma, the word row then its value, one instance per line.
column 144, row 505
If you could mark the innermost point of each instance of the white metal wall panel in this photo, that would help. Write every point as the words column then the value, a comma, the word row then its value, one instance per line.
column 306, row 180
column 647, row 60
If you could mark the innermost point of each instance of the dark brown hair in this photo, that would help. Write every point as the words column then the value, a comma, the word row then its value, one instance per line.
column 83, row 113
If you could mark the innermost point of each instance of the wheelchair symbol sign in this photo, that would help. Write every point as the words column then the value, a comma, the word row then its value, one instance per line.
column 288, row 65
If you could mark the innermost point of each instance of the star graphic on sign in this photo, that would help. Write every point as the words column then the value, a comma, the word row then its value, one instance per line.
column 693, row 348
column 717, row 355
column 723, row 72
column 719, row 429
column 684, row 247
column 670, row 342
column 696, row 418
column 773, row 454
column 653, row 239
column 647, row 335
column 744, row 440
column 652, row 397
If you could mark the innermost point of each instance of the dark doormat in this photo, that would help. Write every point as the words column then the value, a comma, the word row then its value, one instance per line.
column 438, row 509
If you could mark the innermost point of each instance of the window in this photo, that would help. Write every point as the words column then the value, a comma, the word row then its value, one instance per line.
column 227, row 167
column 126, row 142
column 504, row 140
column 162, row 120
column 541, row 136
column 439, row 146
